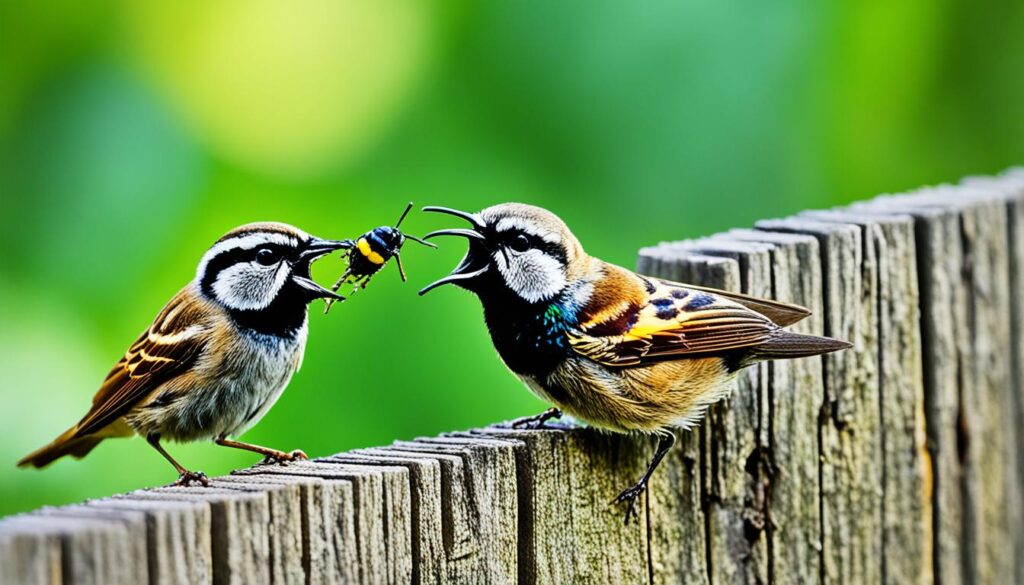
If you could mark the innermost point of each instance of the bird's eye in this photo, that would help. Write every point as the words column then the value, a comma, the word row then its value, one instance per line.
column 520, row 243
column 266, row 256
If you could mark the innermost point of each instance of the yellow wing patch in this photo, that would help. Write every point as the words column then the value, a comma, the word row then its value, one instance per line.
column 675, row 321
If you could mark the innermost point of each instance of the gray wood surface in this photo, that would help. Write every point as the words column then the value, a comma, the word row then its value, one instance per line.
column 898, row 461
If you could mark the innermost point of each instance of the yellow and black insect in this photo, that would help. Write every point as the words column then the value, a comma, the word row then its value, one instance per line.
column 371, row 251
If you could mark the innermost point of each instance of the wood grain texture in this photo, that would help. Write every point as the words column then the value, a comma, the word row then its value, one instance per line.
column 735, row 433
column 906, row 491
column 677, row 532
column 358, row 538
column 490, row 473
column 56, row 549
column 284, row 524
column 849, row 433
column 898, row 461
column 239, row 539
column 178, row 538
column 794, row 395
column 1010, row 189
column 568, row 531
column 30, row 553
column 426, row 501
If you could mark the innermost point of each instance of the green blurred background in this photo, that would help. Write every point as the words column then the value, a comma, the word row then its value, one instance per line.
column 133, row 134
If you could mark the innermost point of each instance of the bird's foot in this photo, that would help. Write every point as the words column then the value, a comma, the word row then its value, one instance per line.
column 629, row 496
column 282, row 458
column 187, row 478
column 536, row 421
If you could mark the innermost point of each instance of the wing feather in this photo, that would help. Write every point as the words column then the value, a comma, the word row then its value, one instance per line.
column 674, row 321
column 782, row 314
column 166, row 349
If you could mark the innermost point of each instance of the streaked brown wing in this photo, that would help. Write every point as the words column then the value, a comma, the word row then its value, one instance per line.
column 169, row 347
column 689, row 322
column 782, row 314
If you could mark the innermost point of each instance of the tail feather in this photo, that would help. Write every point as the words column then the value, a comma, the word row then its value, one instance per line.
column 66, row 444
column 788, row 345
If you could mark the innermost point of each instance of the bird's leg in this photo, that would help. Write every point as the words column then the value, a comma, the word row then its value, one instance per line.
column 536, row 421
column 185, row 477
column 269, row 455
column 666, row 438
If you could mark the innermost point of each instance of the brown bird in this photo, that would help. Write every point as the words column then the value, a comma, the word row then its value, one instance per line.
column 618, row 350
column 217, row 356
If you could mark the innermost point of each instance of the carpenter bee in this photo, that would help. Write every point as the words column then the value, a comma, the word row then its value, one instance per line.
column 371, row 251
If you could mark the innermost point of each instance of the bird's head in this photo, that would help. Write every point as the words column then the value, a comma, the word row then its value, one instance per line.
column 523, row 250
column 258, row 266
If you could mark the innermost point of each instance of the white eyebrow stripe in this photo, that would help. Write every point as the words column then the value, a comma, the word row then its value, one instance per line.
column 244, row 242
column 516, row 223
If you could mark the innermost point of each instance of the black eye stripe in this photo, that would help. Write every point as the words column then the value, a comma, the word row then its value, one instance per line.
column 233, row 256
column 536, row 243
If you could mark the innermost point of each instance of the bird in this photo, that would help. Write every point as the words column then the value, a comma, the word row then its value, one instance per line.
column 615, row 349
column 216, row 357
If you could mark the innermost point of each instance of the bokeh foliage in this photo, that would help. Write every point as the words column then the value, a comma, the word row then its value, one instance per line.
column 132, row 134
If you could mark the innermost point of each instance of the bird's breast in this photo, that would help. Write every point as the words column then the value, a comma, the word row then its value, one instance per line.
column 231, row 388
column 529, row 342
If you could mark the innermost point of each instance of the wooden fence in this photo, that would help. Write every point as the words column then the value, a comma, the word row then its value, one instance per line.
column 899, row 461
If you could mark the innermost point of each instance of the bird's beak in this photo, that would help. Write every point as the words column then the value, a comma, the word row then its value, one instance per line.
column 471, row 265
column 316, row 248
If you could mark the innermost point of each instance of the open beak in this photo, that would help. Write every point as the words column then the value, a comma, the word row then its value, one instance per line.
column 475, row 263
column 316, row 248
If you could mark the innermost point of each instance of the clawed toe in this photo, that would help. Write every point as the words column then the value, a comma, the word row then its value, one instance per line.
column 536, row 421
column 282, row 458
column 629, row 496
column 187, row 478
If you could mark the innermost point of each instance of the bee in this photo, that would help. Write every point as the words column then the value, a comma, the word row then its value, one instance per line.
column 371, row 251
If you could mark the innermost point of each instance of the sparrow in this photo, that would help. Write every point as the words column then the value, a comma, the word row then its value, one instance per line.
column 618, row 350
column 216, row 357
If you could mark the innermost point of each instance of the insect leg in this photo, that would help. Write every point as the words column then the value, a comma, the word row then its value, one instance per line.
column 401, row 269
column 337, row 285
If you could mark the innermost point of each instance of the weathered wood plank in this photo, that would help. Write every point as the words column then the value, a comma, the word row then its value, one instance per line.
column 568, row 531
column 677, row 530
column 240, row 542
column 132, row 558
column 794, row 395
column 395, row 523
column 1010, row 188
column 284, row 526
column 92, row 551
column 962, row 235
column 491, row 497
column 29, row 553
column 906, row 492
column 357, row 537
column 942, row 312
column 989, row 485
column 736, row 434
column 179, row 548
column 849, row 434
column 426, row 501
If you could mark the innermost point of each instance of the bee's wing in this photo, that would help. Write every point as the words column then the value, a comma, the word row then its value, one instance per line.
column 672, row 321
column 782, row 314
column 166, row 349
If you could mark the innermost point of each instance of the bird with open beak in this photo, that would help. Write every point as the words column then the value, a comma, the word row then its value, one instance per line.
column 616, row 349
